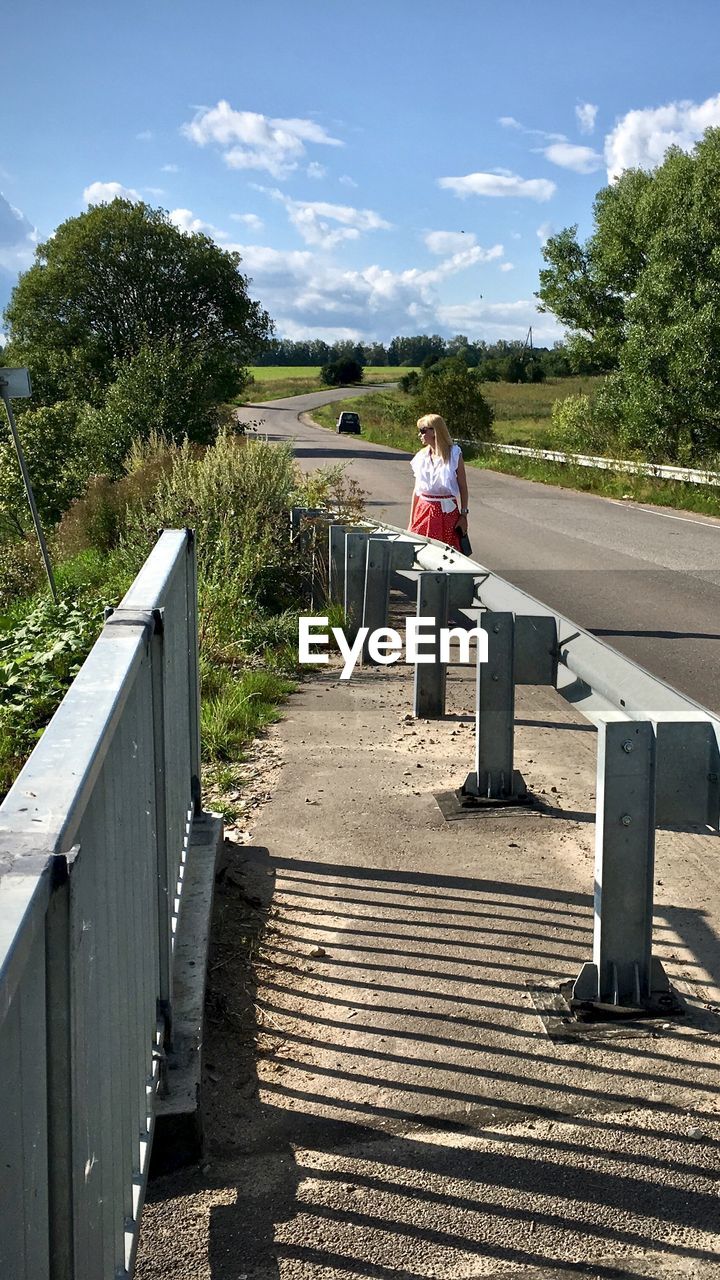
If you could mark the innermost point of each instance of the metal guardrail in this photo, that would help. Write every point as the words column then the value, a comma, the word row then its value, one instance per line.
column 658, row 751
column 690, row 475
column 92, row 839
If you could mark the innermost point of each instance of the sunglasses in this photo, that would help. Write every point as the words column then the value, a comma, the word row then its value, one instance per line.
column 424, row 430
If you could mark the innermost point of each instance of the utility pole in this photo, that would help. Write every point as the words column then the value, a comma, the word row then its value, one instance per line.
column 15, row 384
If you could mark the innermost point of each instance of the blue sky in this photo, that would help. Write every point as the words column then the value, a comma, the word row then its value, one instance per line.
column 382, row 168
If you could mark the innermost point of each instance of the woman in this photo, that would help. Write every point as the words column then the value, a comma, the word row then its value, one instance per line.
column 440, row 499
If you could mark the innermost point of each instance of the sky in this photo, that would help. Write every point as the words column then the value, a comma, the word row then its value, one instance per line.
column 382, row 168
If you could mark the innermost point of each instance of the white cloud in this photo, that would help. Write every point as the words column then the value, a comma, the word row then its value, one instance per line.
column 495, row 184
column 515, row 235
column 315, row 295
column 315, row 220
column 347, row 181
column 105, row 192
column 315, row 170
column 249, row 140
column 544, row 231
column 155, row 191
column 507, row 266
column 641, row 138
column 586, row 113
column 185, row 220
column 569, row 155
column 146, row 135
column 170, row 168
column 250, row 220
column 509, row 122
column 18, row 237
column 441, row 242
column 492, row 320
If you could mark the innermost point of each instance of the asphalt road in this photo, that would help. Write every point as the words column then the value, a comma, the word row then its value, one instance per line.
column 645, row 580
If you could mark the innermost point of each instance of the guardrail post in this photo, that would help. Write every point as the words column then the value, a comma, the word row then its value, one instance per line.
column 494, row 780
column 297, row 515
column 623, row 972
column 438, row 596
column 336, row 563
column 430, row 677
column 191, row 588
column 378, row 566
column 163, row 855
column 59, row 1012
column 354, row 584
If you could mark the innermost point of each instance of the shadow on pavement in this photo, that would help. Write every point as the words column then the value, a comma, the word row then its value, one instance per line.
column 408, row 1115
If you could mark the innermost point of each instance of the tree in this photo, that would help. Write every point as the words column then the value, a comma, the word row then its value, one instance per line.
column 340, row 373
column 121, row 278
column 48, row 436
column 163, row 389
column 454, row 391
column 646, row 290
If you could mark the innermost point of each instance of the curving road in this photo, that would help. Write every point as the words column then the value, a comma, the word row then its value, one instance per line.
column 646, row 580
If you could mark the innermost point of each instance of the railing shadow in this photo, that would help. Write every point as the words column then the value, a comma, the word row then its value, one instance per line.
column 352, row 1124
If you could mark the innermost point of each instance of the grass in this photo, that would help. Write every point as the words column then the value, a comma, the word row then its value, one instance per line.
column 701, row 499
column 246, row 703
column 251, row 588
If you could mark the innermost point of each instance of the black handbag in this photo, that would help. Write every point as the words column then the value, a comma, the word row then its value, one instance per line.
column 465, row 546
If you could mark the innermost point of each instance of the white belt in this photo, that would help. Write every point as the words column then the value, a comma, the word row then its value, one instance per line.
column 446, row 504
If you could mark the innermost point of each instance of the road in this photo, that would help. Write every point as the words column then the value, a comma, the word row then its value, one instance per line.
column 647, row 581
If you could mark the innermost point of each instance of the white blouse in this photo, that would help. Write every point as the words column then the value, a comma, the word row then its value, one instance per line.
column 437, row 479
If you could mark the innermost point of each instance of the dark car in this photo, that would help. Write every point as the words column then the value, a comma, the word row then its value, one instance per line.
column 349, row 422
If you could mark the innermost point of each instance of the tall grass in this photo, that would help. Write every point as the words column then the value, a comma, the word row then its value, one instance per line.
column 237, row 495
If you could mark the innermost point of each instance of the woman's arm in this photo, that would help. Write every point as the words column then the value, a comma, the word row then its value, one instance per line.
column 413, row 502
column 462, row 485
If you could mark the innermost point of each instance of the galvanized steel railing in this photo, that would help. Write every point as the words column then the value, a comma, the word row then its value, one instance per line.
column 658, row 751
column 92, row 840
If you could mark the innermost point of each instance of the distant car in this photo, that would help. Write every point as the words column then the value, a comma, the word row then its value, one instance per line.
column 349, row 422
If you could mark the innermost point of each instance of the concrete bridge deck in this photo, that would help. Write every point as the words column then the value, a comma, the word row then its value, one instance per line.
column 388, row 1101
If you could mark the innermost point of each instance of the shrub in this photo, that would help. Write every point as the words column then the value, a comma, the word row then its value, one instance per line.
column 163, row 390
column 452, row 390
column 577, row 427
column 55, row 460
column 340, row 373
column 97, row 519
column 21, row 570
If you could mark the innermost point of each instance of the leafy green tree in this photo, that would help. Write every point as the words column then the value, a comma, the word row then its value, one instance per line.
column 454, row 391
column 120, row 278
column 341, row 373
column 650, row 280
column 49, row 439
column 164, row 390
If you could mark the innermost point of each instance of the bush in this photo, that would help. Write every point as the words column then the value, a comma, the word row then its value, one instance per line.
column 410, row 382
column 57, row 466
column 21, row 570
column 97, row 519
column 576, row 427
column 341, row 373
column 454, row 391
column 163, row 390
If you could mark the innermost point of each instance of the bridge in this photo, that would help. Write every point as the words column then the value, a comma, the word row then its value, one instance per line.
column 107, row 867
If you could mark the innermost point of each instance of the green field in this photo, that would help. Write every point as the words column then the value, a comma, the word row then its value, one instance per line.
column 276, row 382
column 279, row 372
column 522, row 411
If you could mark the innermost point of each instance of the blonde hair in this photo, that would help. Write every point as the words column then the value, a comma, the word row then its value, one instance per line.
column 443, row 443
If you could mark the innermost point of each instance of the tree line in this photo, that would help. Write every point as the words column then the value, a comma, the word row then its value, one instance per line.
column 513, row 361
